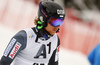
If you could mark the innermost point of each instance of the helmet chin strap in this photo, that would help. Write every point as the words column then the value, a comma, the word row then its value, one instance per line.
column 42, row 33
column 57, row 30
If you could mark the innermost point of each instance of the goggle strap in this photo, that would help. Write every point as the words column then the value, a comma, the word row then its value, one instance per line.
column 40, row 26
column 39, row 22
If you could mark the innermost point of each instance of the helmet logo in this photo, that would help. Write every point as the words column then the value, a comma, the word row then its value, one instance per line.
column 60, row 11
column 44, row 13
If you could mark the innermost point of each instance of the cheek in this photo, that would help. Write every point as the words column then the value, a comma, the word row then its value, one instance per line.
column 52, row 27
column 49, row 26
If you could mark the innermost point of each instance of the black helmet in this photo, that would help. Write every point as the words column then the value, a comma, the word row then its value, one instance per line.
column 48, row 9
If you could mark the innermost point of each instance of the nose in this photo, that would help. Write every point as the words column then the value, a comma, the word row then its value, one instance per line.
column 57, row 27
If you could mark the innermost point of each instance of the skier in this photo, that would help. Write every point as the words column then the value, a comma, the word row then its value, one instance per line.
column 37, row 45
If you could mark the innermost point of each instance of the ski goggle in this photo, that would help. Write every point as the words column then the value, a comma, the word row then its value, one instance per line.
column 55, row 22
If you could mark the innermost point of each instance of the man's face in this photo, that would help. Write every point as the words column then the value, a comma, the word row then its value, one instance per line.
column 51, row 29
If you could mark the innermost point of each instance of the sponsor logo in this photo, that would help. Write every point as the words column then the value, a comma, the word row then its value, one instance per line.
column 60, row 11
column 9, row 47
column 14, row 50
column 31, row 35
column 61, row 16
column 58, row 48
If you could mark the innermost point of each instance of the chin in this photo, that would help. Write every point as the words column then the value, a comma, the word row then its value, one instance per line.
column 53, row 33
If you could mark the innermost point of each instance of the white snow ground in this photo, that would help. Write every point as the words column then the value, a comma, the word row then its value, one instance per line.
column 66, row 57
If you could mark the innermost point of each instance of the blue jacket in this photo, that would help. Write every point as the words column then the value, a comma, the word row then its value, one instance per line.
column 94, row 56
